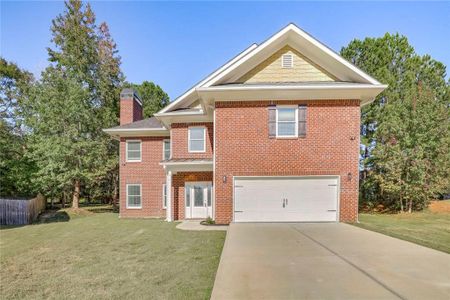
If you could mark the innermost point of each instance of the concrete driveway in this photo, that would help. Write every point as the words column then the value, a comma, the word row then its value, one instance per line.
column 326, row 261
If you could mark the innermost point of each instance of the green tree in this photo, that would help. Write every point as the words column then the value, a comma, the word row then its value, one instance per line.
column 76, row 98
column 64, row 143
column 152, row 95
column 110, row 82
column 405, row 130
column 16, row 170
column 14, row 82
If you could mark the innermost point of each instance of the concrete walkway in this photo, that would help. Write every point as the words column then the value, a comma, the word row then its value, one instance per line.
column 196, row 226
column 326, row 261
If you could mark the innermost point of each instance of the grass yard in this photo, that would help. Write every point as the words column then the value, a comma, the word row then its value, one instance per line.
column 98, row 255
column 424, row 228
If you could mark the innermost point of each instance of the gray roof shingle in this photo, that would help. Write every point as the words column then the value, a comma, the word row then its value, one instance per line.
column 145, row 123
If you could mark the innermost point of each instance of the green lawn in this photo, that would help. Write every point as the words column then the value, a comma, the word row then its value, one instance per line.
column 101, row 256
column 423, row 228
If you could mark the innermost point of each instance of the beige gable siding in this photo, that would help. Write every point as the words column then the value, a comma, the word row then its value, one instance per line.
column 271, row 71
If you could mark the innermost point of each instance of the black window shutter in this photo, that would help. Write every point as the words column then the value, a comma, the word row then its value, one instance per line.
column 272, row 110
column 302, row 120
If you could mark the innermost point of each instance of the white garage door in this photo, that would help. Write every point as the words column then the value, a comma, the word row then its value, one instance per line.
column 285, row 199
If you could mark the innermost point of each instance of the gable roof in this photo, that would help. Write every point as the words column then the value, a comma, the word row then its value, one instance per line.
column 296, row 38
column 191, row 91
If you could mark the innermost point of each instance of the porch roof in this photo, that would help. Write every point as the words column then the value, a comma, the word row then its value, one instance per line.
column 187, row 164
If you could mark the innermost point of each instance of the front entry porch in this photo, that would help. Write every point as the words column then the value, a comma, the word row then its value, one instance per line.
column 189, row 189
column 198, row 200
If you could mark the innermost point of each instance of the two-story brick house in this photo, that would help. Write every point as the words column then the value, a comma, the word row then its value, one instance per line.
column 272, row 135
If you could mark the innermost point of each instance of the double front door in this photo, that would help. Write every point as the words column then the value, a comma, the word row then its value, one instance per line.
column 198, row 200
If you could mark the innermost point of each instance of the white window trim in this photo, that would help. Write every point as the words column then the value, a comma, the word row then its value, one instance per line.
column 164, row 196
column 204, row 140
column 295, row 136
column 163, row 149
column 140, row 151
column 140, row 189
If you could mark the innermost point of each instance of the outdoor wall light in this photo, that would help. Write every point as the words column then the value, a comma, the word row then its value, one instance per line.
column 349, row 176
column 224, row 178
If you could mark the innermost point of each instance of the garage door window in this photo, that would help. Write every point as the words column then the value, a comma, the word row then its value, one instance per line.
column 287, row 121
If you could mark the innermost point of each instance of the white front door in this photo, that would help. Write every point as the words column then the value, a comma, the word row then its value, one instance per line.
column 198, row 200
column 286, row 199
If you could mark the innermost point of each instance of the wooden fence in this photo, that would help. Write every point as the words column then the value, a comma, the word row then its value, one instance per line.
column 20, row 211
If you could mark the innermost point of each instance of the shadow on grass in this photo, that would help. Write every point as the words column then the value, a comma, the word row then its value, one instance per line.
column 103, row 209
column 48, row 216
column 53, row 216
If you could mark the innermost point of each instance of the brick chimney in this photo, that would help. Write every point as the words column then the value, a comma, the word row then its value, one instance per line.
column 130, row 107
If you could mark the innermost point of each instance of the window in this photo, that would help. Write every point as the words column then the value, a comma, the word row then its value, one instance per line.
column 166, row 149
column 287, row 61
column 133, row 151
column 196, row 139
column 187, row 193
column 286, row 120
column 164, row 195
column 134, row 196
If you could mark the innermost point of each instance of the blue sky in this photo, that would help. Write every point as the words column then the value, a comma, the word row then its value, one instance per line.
column 176, row 44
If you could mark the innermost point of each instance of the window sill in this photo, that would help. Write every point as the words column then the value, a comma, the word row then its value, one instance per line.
column 286, row 137
column 133, row 161
column 140, row 207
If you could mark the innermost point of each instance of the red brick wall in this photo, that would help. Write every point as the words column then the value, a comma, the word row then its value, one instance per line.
column 178, row 182
column 130, row 111
column 331, row 147
column 179, row 135
column 148, row 172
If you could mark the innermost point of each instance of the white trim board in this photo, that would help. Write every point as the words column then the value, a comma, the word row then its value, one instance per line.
column 290, row 35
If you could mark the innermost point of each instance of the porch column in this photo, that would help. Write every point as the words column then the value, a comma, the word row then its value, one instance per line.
column 169, row 217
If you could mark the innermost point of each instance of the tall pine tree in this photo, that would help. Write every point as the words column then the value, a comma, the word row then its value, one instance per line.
column 405, row 131
column 76, row 98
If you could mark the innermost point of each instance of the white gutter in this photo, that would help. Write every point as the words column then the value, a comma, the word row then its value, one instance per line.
column 364, row 92
column 186, row 163
column 290, row 87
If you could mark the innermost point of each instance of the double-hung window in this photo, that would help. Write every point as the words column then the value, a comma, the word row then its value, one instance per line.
column 166, row 149
column 133, row 151
column 134, row 196
column 287, row 121
column 196, row 139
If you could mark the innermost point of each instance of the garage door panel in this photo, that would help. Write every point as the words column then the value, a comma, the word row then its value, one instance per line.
column 306, row 199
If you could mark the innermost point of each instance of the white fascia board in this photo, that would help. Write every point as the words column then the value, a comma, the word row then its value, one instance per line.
column 258, row 50
column 186, row 163
column 200, row 166
column 183, row 117
column 179, row 113
column 292, row 33
column 191, row 91
column 366, row 93
column 333, row 54
column 123, row 132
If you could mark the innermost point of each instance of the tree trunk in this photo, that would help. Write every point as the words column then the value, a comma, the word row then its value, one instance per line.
column 115, row 198
column 63, row 200
column 401, row 202
column 410, row 206
column 76, row 194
